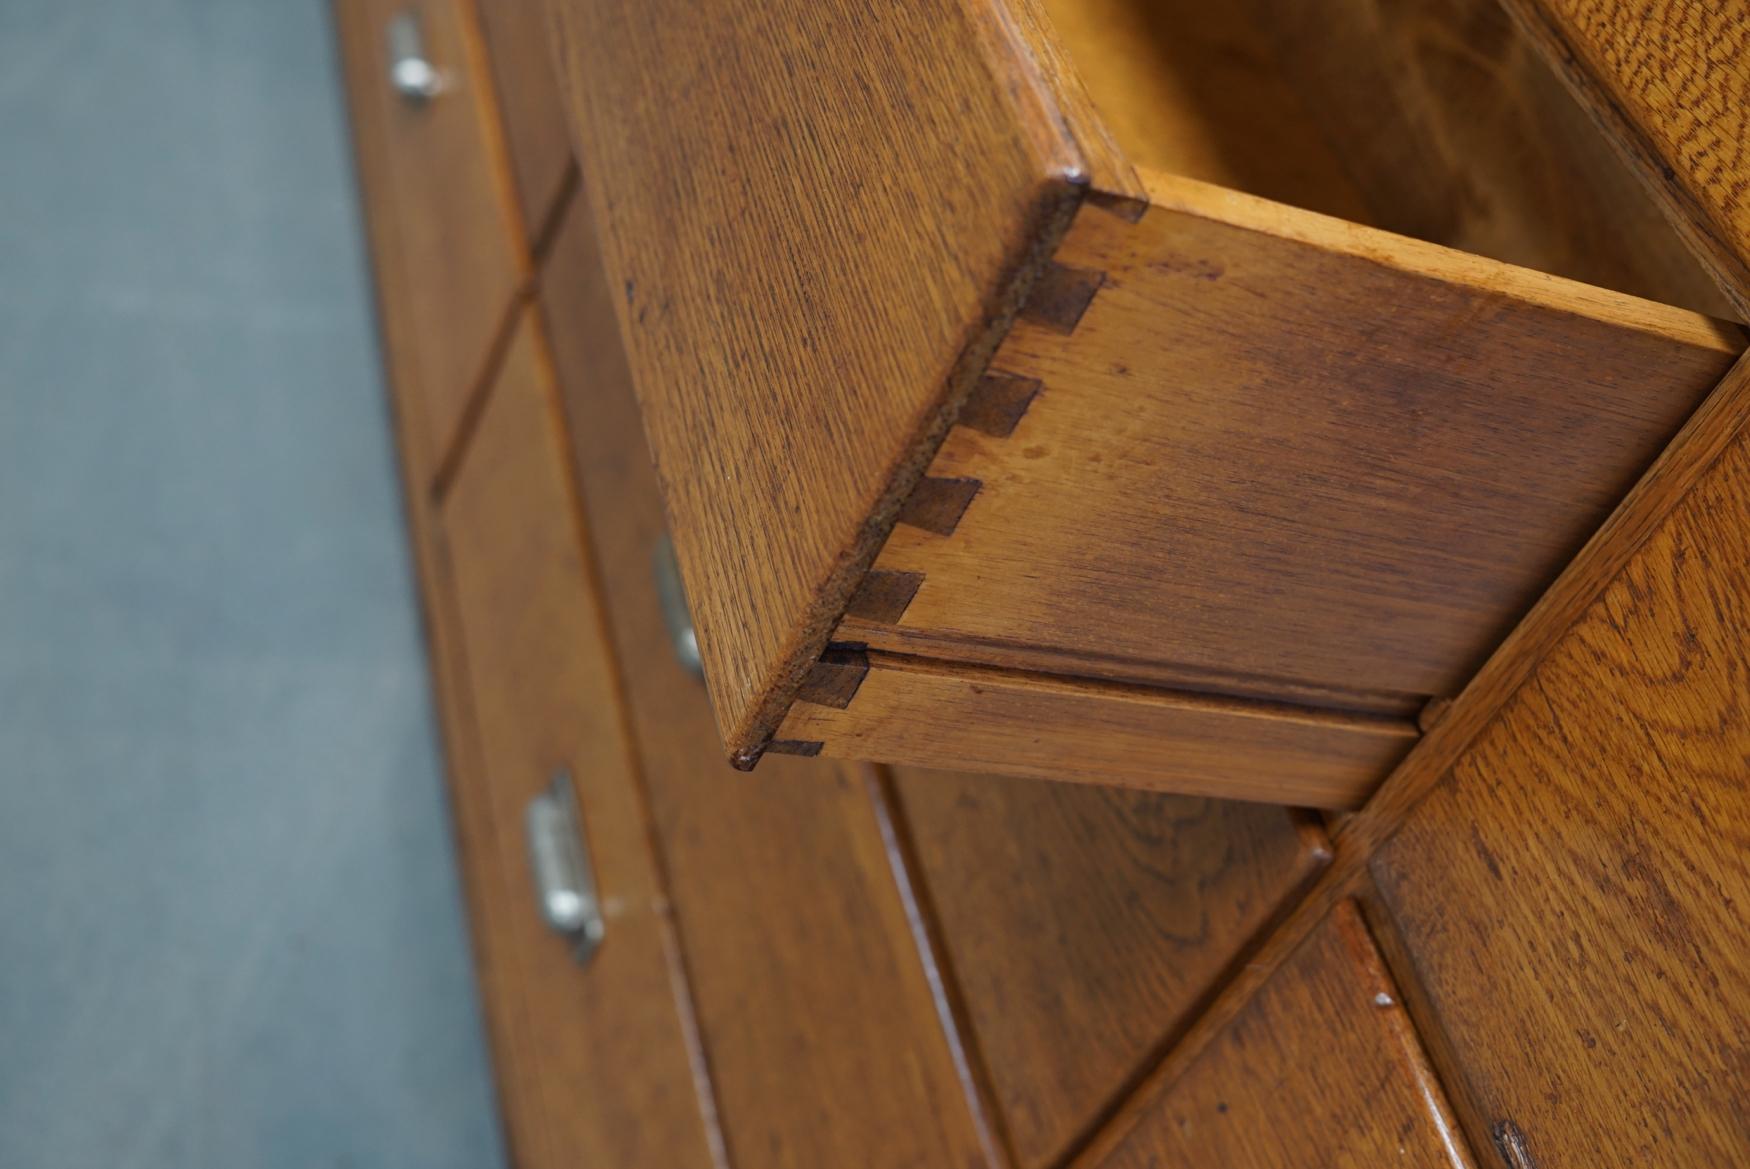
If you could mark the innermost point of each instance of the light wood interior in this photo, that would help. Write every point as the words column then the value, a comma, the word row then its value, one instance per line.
column 1433, row 118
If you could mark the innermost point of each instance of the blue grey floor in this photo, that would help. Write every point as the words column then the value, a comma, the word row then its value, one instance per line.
column 230, row 928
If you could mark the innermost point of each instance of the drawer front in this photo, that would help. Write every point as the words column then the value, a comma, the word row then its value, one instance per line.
column 815, row 1011
column 592, row 1058
column 816, row 214
column 1322, row 1067
column 896, row 709
column 442, row 227
column 520, row 48
column 1086, row 926
column 1594, row 979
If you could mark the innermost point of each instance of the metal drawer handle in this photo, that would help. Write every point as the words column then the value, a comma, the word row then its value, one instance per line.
column 411, row 72
column 675, row 614
column 559, row 859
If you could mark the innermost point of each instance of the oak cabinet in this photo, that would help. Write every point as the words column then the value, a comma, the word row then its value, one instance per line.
column 1310, row 429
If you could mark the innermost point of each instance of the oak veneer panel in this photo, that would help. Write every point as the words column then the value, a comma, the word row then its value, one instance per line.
column 815, row 215
column 520, row 48
column 1277, row 446
column 1574, row 891
column 435, row 183
column 596, row 1057
column 1670, row 81
column 924, row 714
column 1455, row 130
column 818, row 1021
column 1086, row 925
column 1322, row 1068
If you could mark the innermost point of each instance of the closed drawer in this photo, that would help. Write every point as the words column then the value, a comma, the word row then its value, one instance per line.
column 1321, row 1067
column 442, row 227
column 1109, row 416
column 1087, row 927
column 816, row 1013
column 591, row 1057
column 528, row 100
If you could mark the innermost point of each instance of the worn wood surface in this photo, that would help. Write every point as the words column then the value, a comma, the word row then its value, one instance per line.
column 1085, row 926
column 927, row 714
column 535, row 131
column 1194, row 89
column 443, row 227
column 596, row 1068
column 1574, row 891
column 1278, row 446
column 818, row 1016
column 1321, row 1068
column 816, row 217
column 1669, row 80
column 1455, row 130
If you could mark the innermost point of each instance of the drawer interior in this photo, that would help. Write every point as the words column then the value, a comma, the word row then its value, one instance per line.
column 1436, row 119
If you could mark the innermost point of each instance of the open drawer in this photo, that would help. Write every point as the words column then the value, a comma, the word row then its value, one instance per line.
column 1106, row 431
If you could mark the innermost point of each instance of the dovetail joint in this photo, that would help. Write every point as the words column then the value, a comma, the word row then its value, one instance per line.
column 936, row 504
column 806, row 748
column 883, row 595
column 834, row 679
column 1060, row 296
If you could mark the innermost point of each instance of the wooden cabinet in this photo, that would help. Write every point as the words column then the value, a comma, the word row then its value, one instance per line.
column 1034, row 388
column 442, row 226
column 592, row 1057
column 1021, row 398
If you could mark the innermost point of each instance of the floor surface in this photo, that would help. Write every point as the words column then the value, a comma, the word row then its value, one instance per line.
column 230, row 928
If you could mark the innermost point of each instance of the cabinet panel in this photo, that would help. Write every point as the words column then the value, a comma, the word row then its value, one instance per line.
column 519, row 45
column 448, row 262
column 1086, row 925
column 1321, row 1069
column 593, row 1059
column 1574, row 892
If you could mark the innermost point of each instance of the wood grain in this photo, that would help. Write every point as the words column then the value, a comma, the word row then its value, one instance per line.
column 435, row 181
column 1716, row 428
column 1287, row 449
column 816, row 217
column 818, row 1015
column 1669, row 80
column 1195, row 89
column 1086, row 926
column 1321, row 1068
column 1455, row 130
column 1594, row 979
column 922, row 713
column 597, row 1058
column 533, row 115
